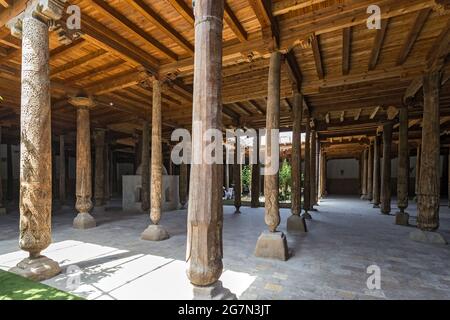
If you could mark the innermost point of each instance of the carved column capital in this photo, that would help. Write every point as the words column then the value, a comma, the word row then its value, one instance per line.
column 83, row 102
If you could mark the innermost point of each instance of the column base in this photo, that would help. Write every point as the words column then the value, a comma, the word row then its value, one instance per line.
column 402, row 218
column 2, row 211
column 37, row 269
column 155, row 232
column 272, row 245
column 216, row 291
column 307, row 216
column 84, row 221
column 427, row 237
column 237, row 211
column 296, row 223
column 376, row 205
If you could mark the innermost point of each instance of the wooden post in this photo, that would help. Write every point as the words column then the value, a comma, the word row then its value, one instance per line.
column 84, row 171
column 255, row 174
column 62, row 171
column 307, row 178
column 386, row 169
column 323, row 174
column 272, row 244
column 205, row 213
column 376, row 173
column 313, row 167
column 2, row 205
column 429, row 185
column 370, row 172
column 448, row 178
column 296, row 222
column 9, row 174
column 402, row 217
column 35, row 147
column 156, row 232
column 99, row 186
column 364, row 174
column 417, row 181
column 183, row 184
column 237, row 176
column 145, row 166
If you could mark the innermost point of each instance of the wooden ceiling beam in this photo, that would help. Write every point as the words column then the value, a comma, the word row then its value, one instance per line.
column 378, row 44
column 346, row 49
column 257, row 106
column 77, row 62
column 184, row 10
column 234, row 24
column 285, row 6
column 155, row 18
column 294, row 70
column 315, row 46
column 414, row 32
column 263, row 12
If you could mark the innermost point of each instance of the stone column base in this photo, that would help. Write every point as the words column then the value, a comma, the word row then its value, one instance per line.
column 272, row 245
column 84, row 221
column 155, row 232
column 296, row 224
column 427, row 237
column 216, row 291
column 37, row 269
column 307, row 216
column 2, row 211
column 402, row 219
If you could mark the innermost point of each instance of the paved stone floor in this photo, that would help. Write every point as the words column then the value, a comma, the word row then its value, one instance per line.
column 345, row 236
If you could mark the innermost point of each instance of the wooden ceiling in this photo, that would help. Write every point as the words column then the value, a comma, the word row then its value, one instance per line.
column 349, row 75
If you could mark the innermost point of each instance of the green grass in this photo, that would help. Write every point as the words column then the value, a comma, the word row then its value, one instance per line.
column 14, row 287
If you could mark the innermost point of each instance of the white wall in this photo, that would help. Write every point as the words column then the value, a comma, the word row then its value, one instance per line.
column 342, row 169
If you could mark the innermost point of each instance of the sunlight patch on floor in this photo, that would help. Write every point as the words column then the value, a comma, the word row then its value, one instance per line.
column 107, row 273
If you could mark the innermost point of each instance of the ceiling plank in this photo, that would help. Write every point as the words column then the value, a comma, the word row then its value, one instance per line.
column 184, row 10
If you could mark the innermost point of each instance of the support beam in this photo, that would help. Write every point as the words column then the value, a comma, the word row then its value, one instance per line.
column 386, row 169
column 370, row 173
column 364, row 163
column 99, row 182
column 307, row 176
column 315, row 45
column 62, row 171
column 402, row 217
column 156, row 232
column 376, row 173
column 234, row 24
column 237, row 181
column 313, row 181
column 378, row 44
column 346, row 49
column 2, row 205
column 145, row 166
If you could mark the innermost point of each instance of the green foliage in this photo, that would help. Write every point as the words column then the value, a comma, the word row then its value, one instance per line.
column 285, row 180
column 246, row 175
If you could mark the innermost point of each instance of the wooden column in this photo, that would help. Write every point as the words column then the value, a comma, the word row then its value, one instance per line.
column 107, row 189
column 83, row 167
column 296, row 223
column 145, row 166
column 307, row 177
column 156, row 232
column 419, row 153
column 364, row 174
column 62, row 170
column 296, row 155
column 99, row 186
column 448, row 178
column 402, row 217
column 255, row 175
column 272, row 244
column 35, row 147
column 237, row 177
column 429, row 184
column 9, row 174
column 323, row 174
column 376, row 173
column 183, row 184
column 313, row 168
column 386, row 169
column 205, row 213
column 2, row 205
column 370, row 173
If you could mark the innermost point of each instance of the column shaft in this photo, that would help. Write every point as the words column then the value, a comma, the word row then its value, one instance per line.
column 419, row 153
column 386, row 169
column 205, row 213
column 237, row 176
column 403, row 162
column 255, row 175
column 313, row 178
column 296, row 155
column 370, row 173
column 156, row 160
column 145, row 166
column 376, row 173
column 99, row 188
column 307, row 178
column 429, row 185
column 62, row 170
column 2, row 208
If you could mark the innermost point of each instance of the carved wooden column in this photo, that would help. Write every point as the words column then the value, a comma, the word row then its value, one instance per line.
column 237, row 176
column 62, row 171
column 156, row 232
column 255, row 175
column 145, row 166
column 376, row 173
column 419, row 152
column 205, row 213
column 272, row 244
column 183, row 184
column 429, row 185
column 2, row 206
column 83, row 164
column 386, row 169
column 323, row 174
column 370, row 172
column 9, row 174
column 307, row 177
column 313, row 167
column 35, row 141
column 364, row 174
column 296, row 223
column 99, row 186
column 402, row 217
column 107, row 162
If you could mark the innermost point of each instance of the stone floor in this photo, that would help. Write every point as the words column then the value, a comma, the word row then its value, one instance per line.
column 345, row 237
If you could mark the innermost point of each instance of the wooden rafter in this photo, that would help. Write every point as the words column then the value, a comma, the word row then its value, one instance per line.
column 346, row 49
column 317, row 57
column 234, row 24
column 294, row 70
column 378, row 44
column 263, row 11
column 184, row 10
